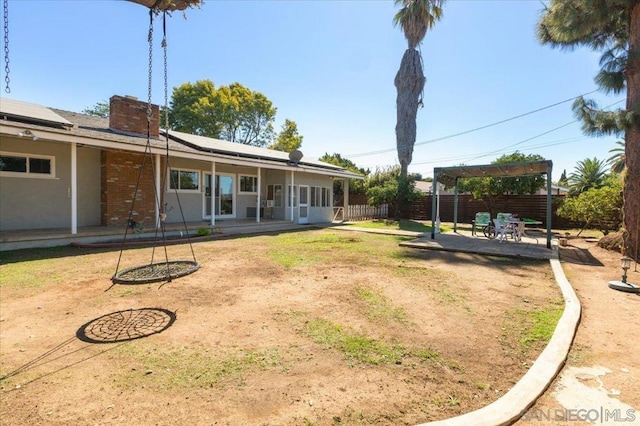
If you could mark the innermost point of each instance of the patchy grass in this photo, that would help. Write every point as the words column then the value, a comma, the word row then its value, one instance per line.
column 379, row 308
column 189, row 367
column 359, row 347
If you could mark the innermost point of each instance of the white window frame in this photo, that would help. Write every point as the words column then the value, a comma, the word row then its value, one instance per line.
column 198, row 183
column 28, row 174
column 255, row 182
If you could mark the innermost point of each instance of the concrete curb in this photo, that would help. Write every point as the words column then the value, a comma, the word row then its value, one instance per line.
column 524, row 394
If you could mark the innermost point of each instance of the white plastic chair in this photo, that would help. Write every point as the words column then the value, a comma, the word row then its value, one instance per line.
column 502, row 229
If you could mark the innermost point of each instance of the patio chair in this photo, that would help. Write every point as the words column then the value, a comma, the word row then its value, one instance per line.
column 502, row 229
column 482, row 219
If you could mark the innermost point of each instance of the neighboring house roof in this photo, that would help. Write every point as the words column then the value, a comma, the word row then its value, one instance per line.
column 423, row 186
column 67, row 126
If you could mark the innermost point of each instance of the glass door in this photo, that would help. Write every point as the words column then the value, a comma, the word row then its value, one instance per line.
column 303, row 206
column 224, row 203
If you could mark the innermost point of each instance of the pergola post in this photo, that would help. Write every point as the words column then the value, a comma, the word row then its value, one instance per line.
column 455, row 207
column 433, row 204
column 549, row 169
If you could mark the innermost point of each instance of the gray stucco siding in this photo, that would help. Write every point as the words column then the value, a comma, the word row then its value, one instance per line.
column 36, row 202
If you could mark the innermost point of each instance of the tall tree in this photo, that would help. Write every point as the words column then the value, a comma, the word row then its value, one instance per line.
column 288, row 139
column 234, row 113
column 563, row 178
column 415, row 17
column 613, row 28
column 194, row 107
column 589, row 173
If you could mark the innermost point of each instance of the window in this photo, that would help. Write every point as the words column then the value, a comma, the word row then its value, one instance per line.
column 293, row 196
column 320, row 197
column 184, row 180
column 26, row 165
column 248, row 184
column 274, row 193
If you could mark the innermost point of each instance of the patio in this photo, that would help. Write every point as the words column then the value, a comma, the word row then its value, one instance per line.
column 52, row 237
column 462, row 241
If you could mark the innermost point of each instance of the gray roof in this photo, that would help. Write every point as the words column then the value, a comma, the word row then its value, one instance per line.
column 52, row 120
column 232, row 148
column 38, row 114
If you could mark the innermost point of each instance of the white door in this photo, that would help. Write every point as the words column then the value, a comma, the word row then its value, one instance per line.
column 303, row 205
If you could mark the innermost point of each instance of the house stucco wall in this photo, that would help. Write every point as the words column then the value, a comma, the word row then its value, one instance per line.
column 32, row 202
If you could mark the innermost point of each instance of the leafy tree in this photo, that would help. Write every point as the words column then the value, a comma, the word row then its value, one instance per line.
column 193, row 109
column 491, row 189
column 169, row 5
column 100, row 109
column 383, row 185
column 288, row 139
column 589, row 173
column 617, row 160
column 613, row 28
column 232, row 113
column 415, row 17
column 596, row 208
column 356, row 186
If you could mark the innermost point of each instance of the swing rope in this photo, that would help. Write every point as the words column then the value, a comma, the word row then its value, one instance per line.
column 166, row 131
column 161, row 212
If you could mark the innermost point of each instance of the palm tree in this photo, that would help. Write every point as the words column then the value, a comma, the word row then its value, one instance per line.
column 611, row 27
column 415, row 17
column 589, row 173
column 617, row 160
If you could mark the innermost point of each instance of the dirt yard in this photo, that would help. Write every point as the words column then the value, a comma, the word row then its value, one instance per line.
column 318, row 327
column 602, row 371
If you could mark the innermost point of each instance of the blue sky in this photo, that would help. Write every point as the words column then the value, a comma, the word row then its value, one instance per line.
column 329, row 66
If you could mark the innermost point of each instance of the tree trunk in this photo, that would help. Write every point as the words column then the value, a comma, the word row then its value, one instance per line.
column 409, row 82
column 631, row 190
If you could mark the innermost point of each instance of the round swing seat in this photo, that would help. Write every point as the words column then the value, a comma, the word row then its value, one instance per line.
column 168, row 5
column 155, row 272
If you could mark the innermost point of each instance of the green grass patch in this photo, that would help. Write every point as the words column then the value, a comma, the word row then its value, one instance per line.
column 188, row 368
column 360, row 348
column 379, row 307
column 532, row 329
column 404, row 225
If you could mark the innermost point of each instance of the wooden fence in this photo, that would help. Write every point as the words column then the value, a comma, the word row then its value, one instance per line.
column 361, row 212
column 529, row 206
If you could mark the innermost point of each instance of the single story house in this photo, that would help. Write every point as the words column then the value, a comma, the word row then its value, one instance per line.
column 61, row 169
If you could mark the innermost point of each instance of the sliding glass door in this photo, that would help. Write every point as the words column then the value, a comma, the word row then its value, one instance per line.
column 224, row 201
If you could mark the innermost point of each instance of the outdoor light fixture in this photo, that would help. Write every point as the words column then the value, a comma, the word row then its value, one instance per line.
column 28, row 133
column 624, row 285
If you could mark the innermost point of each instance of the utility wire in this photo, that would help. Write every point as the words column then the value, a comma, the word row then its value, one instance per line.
column 528, row 139
column 382, row 151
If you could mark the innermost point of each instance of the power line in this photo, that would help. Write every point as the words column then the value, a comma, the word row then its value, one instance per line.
column 523, row 141
column 382, row 151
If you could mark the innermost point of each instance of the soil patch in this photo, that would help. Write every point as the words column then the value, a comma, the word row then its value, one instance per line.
column 317, row 327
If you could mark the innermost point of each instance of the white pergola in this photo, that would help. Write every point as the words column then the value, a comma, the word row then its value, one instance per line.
column 450, row 176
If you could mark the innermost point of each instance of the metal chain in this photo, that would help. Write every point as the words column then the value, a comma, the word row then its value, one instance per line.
column 150, row 65
column 6, row 46
column 166, row 84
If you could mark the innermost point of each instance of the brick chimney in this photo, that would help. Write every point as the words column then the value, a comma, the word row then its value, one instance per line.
column 128, row 115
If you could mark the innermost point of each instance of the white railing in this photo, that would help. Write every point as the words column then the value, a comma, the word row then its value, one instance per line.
column 366, row 212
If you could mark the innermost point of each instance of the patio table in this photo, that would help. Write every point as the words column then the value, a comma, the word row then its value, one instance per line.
column 520, row 232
